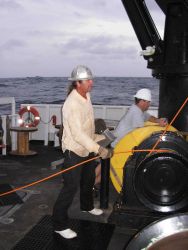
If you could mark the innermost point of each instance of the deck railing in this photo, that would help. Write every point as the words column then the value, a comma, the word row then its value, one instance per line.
column 9, row 119
column 47, row 132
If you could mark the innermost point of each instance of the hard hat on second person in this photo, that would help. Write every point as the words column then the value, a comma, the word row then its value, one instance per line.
column 144, row 94
column 81, row 72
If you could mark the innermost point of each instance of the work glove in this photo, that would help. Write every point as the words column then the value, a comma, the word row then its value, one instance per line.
column 162, row 122
column 105, row 153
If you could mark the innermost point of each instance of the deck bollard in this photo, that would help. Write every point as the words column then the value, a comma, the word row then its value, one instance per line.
column 104, row 190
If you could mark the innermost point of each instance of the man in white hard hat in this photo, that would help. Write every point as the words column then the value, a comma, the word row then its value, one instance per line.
column 136, row 116
column 79, row 144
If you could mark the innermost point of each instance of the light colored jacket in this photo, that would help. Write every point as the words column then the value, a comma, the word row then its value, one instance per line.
column 79, row 128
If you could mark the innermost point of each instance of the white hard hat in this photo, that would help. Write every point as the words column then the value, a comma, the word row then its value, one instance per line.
column 81, row 72
column 144, row 94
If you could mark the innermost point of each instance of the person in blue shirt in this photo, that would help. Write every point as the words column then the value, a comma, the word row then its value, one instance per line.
column 136, row 116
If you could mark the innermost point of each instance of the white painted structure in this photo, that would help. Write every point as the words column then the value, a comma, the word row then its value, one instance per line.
column 47, row 131
column 13, row 118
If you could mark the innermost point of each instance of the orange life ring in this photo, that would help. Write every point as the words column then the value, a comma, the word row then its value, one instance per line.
column 32, row 118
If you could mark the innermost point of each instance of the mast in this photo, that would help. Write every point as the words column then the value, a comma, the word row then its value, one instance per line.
column 167, row 57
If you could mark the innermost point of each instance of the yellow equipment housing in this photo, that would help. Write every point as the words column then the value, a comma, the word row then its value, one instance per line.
column 125, row 148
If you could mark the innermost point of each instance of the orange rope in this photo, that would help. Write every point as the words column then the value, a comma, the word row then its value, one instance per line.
column 47, row 178
column 72, row 167
column 144, row 150
column 94, row 158
column 182, row 106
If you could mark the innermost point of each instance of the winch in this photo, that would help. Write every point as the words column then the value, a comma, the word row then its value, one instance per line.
column 152, row 180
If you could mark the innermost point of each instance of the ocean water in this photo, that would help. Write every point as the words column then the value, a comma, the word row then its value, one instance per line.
column 106, row 90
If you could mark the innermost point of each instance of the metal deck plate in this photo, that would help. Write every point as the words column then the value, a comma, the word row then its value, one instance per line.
column 91, row 236
column 10, row 199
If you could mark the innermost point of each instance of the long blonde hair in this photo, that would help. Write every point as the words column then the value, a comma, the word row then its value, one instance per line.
column 71, row 87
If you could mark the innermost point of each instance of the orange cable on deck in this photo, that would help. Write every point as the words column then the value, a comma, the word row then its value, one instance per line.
column 47, row 178
column 72, row 167
column 94, row 158
column 144, row 150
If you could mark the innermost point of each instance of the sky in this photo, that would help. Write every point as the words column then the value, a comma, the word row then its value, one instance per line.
column 51, row 37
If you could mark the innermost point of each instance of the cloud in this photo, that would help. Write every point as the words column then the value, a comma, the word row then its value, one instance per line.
column 48, row 33
column 9, row 4
column 12, row 44
column 97, row 46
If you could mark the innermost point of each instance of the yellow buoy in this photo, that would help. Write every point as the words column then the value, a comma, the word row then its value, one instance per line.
column 123, row 150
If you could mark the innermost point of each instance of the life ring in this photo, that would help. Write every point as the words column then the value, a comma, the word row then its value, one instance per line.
column 32, row 118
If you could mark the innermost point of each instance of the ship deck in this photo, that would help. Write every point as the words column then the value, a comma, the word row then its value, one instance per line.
column 25, row 216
